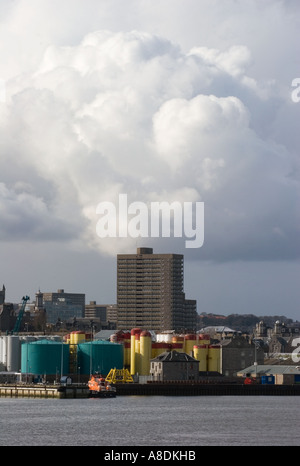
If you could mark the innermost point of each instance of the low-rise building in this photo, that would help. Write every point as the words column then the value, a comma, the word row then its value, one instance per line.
column 238, row 353
column 282, row 374
column 172, row 365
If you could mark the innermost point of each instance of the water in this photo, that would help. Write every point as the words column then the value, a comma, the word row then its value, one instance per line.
column 151, row 421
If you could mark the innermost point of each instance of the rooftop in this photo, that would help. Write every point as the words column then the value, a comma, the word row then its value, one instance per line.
column 173, row 356
column 267, row 369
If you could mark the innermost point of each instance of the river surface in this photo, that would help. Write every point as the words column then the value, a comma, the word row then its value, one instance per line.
column 151, row 421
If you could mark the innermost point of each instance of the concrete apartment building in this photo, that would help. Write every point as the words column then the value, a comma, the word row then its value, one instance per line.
column 96, row 311
column 150, row 292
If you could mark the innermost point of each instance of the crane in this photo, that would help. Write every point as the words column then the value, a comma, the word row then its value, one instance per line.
column 20, row 315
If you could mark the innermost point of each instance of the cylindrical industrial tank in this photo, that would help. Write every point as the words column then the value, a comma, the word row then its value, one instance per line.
column 204, row 339
column 78, row 337
column 214, row 358
column 178, row 343
column 127, row 345
column 137, row 353
column 163, row 347
column 145, row 352
column 3, row 350
column 177, row 347
column 133, row 355
column 164, row 337
column 99, row 356
column 45, row 357
column 190, row 340
column 13, row 353
column 153, row 350
column 201, row 353
column 72, row 338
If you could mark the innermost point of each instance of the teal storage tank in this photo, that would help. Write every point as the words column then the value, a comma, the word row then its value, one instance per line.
column 99, row 356
column 45, row 357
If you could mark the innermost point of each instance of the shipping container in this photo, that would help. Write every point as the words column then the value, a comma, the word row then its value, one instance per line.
column 267, row 379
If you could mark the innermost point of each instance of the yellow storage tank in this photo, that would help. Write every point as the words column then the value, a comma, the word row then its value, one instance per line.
column 72, row 338
column 127, row 346
column 190, row 341
column 154, row 349
column 77, row 337
column 201, row 353
column 145, row 352
column 133, row 356
column 178, row 343
column 204, row 339
column 214, row 358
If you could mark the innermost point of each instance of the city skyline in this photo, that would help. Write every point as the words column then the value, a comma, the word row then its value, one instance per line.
column 187, row 102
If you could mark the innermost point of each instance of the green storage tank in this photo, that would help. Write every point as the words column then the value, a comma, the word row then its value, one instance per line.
column 45, row 357
column 99, row 356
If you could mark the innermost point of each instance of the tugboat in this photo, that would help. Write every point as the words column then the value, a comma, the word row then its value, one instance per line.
column 100, row 388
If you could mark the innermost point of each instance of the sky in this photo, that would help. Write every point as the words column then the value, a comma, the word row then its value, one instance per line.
column 186, row 101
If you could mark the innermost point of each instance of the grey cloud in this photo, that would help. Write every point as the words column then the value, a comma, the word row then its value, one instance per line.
column 25, row 217
column 133, row 112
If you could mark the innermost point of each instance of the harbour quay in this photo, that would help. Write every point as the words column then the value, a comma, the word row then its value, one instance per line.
column 44, row 391
column 203, row 389
column 151, row 389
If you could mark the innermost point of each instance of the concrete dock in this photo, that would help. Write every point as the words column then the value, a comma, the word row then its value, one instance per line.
column 200, row 389
column 151, row 389
column 43, row 391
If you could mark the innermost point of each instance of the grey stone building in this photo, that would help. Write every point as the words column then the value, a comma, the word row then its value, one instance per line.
column 172, row 365
column 238, row 353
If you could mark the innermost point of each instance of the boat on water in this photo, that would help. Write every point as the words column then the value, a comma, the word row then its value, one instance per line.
column 100, row 388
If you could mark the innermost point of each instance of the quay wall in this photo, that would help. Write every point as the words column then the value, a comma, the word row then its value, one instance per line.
column 152, row 389
column 182, row 389
column 36, row 391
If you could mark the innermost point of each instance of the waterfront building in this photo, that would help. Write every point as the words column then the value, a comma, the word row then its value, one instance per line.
column 150, row 292
column 279, row 374
column 238, row 353
column 172, row 365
